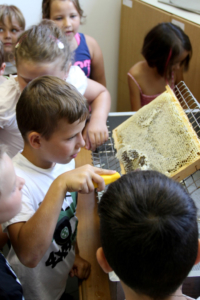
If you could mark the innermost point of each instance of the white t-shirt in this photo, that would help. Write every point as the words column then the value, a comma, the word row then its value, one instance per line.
column 47, row 281
column 9, row 132
column 78, row 79
column 9, row 95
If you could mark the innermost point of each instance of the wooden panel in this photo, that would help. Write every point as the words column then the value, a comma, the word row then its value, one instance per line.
column 83, row 158
column 123, row 97
column 184, row 172
column 127, row 32
column 192, row 76
column 135, row 23
column 96, row 287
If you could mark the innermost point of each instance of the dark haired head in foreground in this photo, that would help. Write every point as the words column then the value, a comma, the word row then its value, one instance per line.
column 149, row 234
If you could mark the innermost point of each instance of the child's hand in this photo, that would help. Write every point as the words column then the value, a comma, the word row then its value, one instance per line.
column 86, row 137
column 95, row 134
column 81, row 179
column 81, row 268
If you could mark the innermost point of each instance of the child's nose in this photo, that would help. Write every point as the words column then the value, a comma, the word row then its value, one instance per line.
column 80, row 142
column 7, row 33
column 67, row 22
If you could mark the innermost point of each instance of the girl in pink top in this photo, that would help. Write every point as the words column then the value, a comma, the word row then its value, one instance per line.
column 167, row 51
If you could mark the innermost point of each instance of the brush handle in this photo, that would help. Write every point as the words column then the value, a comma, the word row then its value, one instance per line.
column 108, row 178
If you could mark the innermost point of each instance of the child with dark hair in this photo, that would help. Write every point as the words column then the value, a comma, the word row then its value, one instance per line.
column 2, row 63
column 167, row 51
column 149, row 235
column 51, row 115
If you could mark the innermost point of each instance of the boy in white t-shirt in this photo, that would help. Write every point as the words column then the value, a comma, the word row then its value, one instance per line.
column 51, row 115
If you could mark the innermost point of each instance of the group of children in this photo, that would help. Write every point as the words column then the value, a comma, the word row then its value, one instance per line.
column 148, row 223
column 44, row 50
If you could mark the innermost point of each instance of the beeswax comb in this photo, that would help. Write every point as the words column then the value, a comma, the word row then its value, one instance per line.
column 108, row 178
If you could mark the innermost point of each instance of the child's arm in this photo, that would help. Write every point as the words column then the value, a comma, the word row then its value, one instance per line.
column 32, row 239
column 81, row 267
column 97, row 64
column 134, row 95
column 96, row 131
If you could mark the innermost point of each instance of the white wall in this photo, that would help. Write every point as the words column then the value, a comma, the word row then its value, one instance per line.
column 30, row 9
column 102, row 23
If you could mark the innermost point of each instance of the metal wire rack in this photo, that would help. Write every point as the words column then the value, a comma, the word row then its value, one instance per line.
column 192, row 109
column 189, row 104
column 104, row 156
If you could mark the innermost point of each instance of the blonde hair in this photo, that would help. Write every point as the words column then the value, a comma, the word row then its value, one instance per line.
column 45, row 101
column 11, row 11
column 43, row 43
column 46, row 8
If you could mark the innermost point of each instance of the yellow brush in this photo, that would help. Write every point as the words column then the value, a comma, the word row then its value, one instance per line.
column 108, row 178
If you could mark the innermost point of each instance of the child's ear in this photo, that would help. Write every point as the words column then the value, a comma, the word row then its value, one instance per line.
column 103, row 261
column 198, row 253
column 2, row 69
column 34, row 139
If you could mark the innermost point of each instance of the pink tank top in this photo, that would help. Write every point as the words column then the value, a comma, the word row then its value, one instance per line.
column 145, row 99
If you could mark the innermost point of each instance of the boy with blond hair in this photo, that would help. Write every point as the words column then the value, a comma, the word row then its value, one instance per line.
column 51, row 115
column 10, row 205
column 149, row 235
